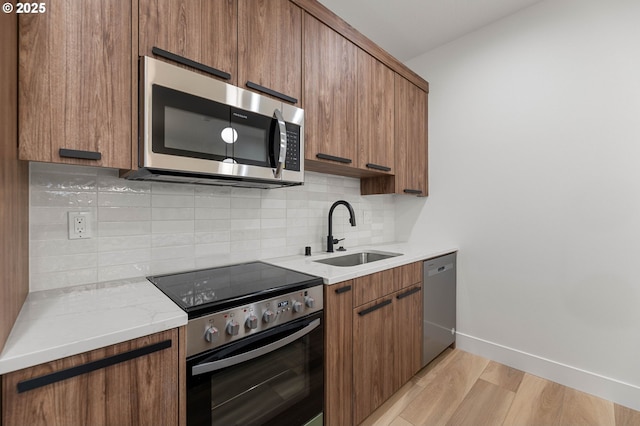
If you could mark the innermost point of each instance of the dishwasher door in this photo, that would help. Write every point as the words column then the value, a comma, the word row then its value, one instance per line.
column 439, row 306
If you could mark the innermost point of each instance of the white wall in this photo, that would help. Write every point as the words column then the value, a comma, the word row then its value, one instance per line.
column 535, row 175
column 144, row 228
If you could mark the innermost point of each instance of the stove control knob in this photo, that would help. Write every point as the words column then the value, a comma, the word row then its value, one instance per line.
column 310, row 302
column 268, row 316
column 211, row 335
column 251, row 322
column 297, row 306
column 233, row 328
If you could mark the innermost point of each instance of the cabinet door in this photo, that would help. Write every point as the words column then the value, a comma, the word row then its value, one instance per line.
column 411, row 138
column 76, row 83
column 407, row 339
column 204, row 31
column 270, row 46
column 330, row 96
column 373, row 356
column 338, row 351
column 375, row 116
column 140, row 391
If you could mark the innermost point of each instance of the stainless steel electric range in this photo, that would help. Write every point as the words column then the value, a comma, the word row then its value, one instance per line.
column 255, row 348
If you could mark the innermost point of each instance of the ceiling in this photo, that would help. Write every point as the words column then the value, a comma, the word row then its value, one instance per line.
column 409, row 28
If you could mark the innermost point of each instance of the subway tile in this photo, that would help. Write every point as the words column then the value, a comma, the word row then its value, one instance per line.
column 123, row 257
column 123, row 214
column 172, row 213
column 63, row 199
column 214, row 249
column 123, row 199
column 172, row 200
column 212, row 237
column 113, row 229
column 120, row 272
column 168, row 240
column 172, row 226
column 62, row 279
column 212, row 213
column 123, row 242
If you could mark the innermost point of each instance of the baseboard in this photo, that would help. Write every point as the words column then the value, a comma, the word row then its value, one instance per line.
column 607, row 388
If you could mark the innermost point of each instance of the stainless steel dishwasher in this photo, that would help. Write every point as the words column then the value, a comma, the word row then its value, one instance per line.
column 439, row 309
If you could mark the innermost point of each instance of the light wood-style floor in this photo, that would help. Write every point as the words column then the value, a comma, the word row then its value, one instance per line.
column 459, row 388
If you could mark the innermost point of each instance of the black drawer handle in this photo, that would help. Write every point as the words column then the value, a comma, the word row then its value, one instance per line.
column 344, row 289
column 282, row 96
column 413, row 191
column 76, row 153
column 374, row 307
column 378, row 167
column 408, row 293
column 58, row 376
column 334, row 158
column 190, row 63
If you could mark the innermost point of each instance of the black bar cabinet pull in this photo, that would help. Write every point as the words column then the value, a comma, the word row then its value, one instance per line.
column 374, row 307
column 76, row 153
column 408, row 293
column 334, row 158
column 378, row 167
column 58, row 376
column 413, row 191
column 188, row 62
column 282, row 96
column 344, row 289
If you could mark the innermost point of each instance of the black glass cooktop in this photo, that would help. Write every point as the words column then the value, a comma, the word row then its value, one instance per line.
column 209, row 290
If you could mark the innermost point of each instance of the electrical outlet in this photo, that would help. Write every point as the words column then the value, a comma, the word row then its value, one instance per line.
column 79, row 225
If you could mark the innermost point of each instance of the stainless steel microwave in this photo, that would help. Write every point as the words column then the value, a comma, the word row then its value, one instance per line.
column 195, row 129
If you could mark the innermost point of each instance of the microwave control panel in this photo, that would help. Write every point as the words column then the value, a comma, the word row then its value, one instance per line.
column 292, row 159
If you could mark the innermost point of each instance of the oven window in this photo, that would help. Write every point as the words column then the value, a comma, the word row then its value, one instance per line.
column 282, row 387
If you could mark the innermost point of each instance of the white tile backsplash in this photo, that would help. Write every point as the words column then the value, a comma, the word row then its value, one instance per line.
column 147, row 228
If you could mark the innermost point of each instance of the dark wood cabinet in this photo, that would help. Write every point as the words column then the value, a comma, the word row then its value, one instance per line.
column 143, row 389
column 373, row 340
column 270, row 46
column 373, row 356
column 205, row 31
column 411, row 138
column 376, row 136
column 338, row 348
column 330, row 98
column 76, row 82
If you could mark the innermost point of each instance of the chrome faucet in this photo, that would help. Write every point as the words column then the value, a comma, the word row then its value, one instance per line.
column 352, row 221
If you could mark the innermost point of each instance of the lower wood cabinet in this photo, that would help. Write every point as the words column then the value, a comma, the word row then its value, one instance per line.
column 131, row 383
column 373, row 341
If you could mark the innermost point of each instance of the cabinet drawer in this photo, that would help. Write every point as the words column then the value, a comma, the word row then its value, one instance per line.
column 407, row 275
column 374, row 286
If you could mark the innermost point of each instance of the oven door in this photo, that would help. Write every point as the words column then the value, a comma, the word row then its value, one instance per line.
column 271, row 378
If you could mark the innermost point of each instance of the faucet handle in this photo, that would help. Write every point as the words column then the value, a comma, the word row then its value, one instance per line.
column 335, row 240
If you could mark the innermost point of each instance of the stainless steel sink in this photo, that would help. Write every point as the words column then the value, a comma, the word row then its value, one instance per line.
column 354, row 259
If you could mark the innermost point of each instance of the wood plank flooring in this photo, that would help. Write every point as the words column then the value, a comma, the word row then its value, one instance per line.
column 459, row 388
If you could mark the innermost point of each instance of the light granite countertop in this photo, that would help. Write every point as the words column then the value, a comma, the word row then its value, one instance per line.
column 54, row 324
column 334, row 274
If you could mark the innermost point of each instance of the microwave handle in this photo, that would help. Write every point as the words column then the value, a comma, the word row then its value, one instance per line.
column 277, row 172
column 234, row 360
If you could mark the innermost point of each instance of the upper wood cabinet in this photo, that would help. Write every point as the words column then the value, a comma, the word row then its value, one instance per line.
column 76, row 82
column 330, row 98
column 131, row 383
column 376, row 135
column 204, row 31
column 411, row 138
column 270, row 46
column 257, row 42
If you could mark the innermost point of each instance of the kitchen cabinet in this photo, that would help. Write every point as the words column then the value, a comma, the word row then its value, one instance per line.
column 330, row 98
column 411, row 153
column 373, row 340
column 411, row 138
column 131, row 383
column 375, row 136
column 205, row 31
column 374, row 354
column 257, row 43
column 270, row 47
column 338, row 344
column 75, row 84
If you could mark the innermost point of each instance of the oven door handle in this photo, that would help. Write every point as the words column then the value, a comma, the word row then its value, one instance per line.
column 228, row 362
